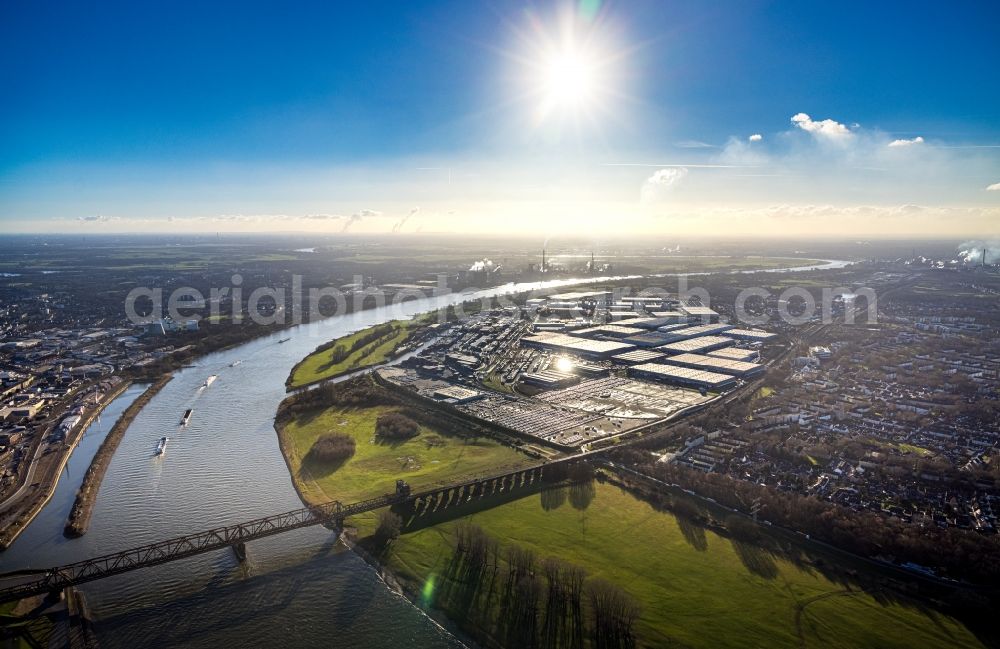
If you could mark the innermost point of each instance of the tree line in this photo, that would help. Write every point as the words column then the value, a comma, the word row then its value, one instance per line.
column 341, row 352
column 955, row 553
column 535, row 602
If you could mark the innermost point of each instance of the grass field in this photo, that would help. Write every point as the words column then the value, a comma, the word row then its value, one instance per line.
column 905, row 448
column 319, row 365
column 696, row 588
column 428, row 458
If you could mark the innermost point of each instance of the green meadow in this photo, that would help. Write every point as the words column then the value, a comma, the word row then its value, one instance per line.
column 320, row 364
column 429, row 458
column 696, row 588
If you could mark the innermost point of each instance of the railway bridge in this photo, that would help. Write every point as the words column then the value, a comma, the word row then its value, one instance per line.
column 421, row 503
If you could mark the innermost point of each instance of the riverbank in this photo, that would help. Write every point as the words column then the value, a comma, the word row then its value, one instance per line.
column 86, row 496
column 441, row 450
column 46, row 485
column 357, row 351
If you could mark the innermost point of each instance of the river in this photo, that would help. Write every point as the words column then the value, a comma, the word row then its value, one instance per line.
column 222, row 468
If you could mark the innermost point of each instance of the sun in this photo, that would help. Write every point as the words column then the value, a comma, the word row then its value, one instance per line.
column 569, row 79
column 569, row 82
column 569, row 68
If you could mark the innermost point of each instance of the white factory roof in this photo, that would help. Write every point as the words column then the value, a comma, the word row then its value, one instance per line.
column 579, row 295
column 750, row 334
column 617, row 331
column 576, row 343
column 734, row 353
column 698, row 330
column 698, row 310
column 724, row 365
column 684, row 373
column 638, row 356
column 696, row 344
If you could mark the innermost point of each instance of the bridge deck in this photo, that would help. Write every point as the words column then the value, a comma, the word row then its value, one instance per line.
column 58, row 578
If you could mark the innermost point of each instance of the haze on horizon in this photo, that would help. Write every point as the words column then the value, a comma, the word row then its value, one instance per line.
column 596, row 118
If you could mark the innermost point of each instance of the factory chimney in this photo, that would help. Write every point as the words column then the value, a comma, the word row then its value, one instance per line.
column 592, row 267
column 984, row 257
column 543, row 260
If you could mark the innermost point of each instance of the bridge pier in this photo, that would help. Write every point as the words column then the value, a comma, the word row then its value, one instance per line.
column 240, row 550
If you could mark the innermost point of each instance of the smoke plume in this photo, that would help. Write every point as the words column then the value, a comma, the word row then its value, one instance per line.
column 971, row 252
column 398, row 225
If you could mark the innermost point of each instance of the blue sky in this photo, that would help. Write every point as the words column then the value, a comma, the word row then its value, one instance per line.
column 141, row 112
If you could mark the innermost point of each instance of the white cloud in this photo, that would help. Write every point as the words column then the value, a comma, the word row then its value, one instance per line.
column 756, row 137
column 995, row 187
column 910, row 142
column 661, row 182
column 99, row 218
column 695, row 144
column 827, row 129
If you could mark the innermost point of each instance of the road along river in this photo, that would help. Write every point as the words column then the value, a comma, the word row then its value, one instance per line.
column 223, row 467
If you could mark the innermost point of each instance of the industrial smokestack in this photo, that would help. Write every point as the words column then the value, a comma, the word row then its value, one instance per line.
column 984, row 257
column 543, row 260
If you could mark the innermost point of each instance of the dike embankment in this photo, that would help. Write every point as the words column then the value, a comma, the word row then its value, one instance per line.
column 86, row 496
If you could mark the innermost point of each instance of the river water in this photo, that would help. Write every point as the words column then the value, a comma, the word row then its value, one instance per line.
column 224, row 467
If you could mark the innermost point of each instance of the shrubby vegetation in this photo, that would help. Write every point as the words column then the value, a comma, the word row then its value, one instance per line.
column 389, row 526
column 395, row 426
column 358, row 393
column 332, row 447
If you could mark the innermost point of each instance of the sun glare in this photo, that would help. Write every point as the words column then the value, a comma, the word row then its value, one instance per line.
column 569, row 79
column 568, row 60
column 569, row 83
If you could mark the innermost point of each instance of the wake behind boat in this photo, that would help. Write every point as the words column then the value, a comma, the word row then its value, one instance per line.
column 209, row 381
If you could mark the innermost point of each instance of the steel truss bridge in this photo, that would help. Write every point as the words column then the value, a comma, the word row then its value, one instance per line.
column 54, row 580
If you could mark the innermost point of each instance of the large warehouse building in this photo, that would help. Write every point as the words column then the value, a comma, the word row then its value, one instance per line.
column 576, row 345
column 682, row 376
column 608, row 331
column 750, row 335
column 715, row 364
column 736, row 354
column 696, row 345
column 638, row 356
column 684, row 333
